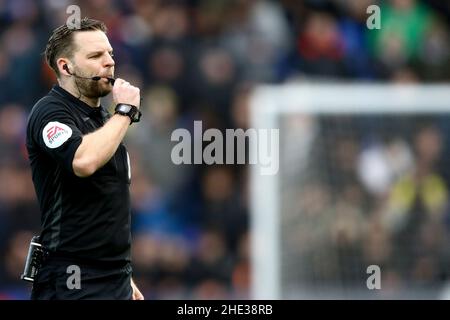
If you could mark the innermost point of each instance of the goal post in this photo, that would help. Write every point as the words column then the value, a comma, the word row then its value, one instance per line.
column 309, row 239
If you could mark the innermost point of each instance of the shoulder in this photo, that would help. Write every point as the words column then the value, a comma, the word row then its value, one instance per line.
column 47, row 110
column 46, row 106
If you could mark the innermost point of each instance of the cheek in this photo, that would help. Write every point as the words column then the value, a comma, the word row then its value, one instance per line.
column 92, row 65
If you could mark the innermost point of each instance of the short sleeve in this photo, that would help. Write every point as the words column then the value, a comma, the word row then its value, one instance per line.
column 56, row 133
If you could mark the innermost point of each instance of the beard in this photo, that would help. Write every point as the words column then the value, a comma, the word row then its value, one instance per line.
column 92, row 89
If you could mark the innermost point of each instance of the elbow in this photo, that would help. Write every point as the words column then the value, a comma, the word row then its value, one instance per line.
column 83, row 168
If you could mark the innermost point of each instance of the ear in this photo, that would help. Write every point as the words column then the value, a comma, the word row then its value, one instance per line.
column 64, row 66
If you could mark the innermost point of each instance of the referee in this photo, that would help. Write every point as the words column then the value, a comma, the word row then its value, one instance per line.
column 81, row 170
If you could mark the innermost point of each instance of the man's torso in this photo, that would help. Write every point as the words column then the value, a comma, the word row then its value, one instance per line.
column 88, row 218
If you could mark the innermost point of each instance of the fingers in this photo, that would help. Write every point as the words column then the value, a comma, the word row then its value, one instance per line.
column 121, row 82
column 124, row 92
column 137, row 295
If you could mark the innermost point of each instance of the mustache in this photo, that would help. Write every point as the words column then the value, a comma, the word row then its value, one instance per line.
column 111, row 80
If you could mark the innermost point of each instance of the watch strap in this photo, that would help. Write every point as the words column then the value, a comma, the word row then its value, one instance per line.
column 133, row 113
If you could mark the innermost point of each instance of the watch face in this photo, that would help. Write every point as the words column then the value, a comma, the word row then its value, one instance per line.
column 124, row 108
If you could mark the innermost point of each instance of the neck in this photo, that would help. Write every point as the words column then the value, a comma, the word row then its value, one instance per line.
column 71, row 87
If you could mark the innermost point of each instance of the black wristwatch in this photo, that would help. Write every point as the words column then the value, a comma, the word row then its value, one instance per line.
column 128, row 110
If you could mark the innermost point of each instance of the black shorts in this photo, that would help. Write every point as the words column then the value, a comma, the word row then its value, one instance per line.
column 68, row 280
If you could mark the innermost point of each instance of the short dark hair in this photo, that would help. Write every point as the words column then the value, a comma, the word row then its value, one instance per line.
column 61, row 43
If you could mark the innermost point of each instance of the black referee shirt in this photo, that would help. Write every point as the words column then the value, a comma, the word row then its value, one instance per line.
column 85, row 218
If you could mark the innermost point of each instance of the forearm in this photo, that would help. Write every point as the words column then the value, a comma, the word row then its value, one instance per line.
column 98, row 147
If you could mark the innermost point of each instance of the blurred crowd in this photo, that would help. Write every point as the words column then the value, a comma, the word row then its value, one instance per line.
column 199, row 60
column 375, row 192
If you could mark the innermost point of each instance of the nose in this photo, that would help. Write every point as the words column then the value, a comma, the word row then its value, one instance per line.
column 109, row 62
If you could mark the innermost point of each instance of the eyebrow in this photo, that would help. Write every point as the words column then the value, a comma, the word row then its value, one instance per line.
column 93, row 53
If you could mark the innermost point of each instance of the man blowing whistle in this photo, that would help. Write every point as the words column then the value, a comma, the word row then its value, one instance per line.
column 81, row 171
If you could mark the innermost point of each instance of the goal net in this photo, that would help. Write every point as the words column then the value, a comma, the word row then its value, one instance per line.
column 359, row 208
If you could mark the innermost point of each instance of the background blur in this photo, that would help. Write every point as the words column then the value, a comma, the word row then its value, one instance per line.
column 199, row 60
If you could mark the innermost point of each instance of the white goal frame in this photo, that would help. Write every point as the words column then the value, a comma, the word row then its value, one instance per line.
column 267, row 103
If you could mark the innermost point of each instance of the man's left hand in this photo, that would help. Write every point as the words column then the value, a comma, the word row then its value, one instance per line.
column 137, row 295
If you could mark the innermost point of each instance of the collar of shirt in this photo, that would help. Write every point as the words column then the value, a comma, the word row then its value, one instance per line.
column 92, row 112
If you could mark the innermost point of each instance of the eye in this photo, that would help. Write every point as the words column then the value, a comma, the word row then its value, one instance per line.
column 111, row 54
